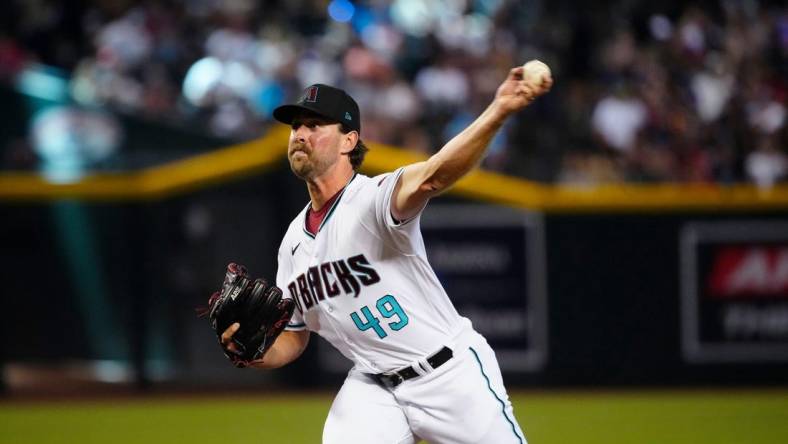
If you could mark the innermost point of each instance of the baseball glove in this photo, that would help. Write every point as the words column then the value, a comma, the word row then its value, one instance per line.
column 256, row 305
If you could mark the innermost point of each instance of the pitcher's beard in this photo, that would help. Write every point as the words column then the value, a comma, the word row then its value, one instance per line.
column 310, row 166
column 301, row 168
column 300, row 164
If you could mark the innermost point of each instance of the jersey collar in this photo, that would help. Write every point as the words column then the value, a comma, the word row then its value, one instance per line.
column 330, row 210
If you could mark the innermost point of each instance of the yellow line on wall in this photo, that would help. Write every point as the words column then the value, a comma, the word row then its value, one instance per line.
column 217, row 166
column 241, row 160
column 28, row 186
column 155, row 182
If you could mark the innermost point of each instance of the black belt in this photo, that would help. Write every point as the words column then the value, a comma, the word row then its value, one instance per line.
column 397, row 377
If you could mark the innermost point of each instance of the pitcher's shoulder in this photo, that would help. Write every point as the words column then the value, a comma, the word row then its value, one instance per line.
column 362, row 184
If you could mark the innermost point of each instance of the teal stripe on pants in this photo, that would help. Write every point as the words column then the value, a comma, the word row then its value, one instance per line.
column 489, row 386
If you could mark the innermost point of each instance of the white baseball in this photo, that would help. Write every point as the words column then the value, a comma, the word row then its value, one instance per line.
column 534, row 71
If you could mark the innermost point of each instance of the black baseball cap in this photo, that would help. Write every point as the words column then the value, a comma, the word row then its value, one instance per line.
column 326, row 101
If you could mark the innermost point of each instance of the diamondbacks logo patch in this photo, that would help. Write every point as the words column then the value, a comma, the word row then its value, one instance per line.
column 310, row 95
column 348, row 116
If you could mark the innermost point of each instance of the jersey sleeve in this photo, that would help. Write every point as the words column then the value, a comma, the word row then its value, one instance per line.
column 283, row 271
column 405, row 235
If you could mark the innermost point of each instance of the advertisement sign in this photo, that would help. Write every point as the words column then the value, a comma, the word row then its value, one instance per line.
column 734, row 291
column 491, row 262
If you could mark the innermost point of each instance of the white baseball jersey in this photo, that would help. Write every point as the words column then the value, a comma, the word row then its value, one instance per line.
column 363, row 282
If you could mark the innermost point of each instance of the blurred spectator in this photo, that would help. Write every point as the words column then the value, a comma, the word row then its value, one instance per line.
column 443, row 86
column 712, row 88
column 12, row 57
column 766, row 164
column 618, row 118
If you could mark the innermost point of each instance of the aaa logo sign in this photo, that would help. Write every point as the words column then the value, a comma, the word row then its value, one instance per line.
column 734, row 291
column 749, row 273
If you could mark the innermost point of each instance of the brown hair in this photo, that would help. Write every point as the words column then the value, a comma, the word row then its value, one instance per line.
column 357, row 155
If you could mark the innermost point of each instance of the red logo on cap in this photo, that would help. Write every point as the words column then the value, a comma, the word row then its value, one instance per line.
column 310, row 95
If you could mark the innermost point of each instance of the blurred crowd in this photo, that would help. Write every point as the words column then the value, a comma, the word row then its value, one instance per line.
column 668, row 91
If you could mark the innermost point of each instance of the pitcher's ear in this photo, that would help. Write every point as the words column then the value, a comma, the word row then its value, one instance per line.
column 350, row 139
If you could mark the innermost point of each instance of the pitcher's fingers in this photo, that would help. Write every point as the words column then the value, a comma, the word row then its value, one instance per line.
column 228, row 334
column 516, row 73
column 547, row 82
column 231, row 348
column 526, row 91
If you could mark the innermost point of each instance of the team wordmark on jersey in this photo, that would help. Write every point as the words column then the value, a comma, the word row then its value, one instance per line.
column 330, row 279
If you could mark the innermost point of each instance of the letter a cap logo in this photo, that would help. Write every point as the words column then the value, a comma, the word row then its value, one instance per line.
column 310, row 95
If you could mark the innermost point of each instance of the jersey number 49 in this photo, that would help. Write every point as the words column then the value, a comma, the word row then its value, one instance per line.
column 388, row 307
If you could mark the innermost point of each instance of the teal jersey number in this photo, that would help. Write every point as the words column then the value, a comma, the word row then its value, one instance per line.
column 371, row 322
column 388, row 307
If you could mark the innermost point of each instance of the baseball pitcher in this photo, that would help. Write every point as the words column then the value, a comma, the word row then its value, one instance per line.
column 353, row 269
